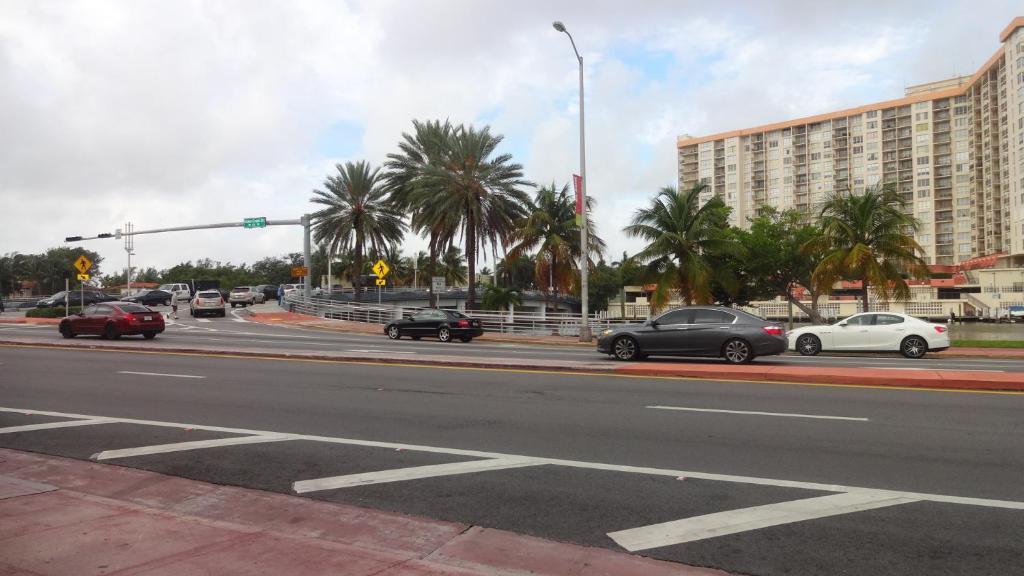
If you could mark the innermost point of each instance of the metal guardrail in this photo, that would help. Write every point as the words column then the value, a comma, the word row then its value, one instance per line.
column 531, row 324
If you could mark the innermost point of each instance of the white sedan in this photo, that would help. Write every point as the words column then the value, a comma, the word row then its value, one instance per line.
column 872, row 332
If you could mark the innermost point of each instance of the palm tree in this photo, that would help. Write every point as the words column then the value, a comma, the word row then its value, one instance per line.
column 551, row 228
column 868, row 237
column 481, row 194
column 681, row 236
column 356, row 213
column 498, row 298
column 454, row 267
column 411, row 191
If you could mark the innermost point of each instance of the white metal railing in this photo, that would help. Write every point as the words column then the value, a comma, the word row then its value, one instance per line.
column 532, row 324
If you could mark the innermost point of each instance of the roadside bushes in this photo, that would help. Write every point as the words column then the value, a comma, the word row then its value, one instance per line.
column 54, row 312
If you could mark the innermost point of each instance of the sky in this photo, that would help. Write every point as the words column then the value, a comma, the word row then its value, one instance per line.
column 202, row 111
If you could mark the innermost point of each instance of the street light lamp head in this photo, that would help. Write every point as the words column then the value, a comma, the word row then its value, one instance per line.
column 558, row 26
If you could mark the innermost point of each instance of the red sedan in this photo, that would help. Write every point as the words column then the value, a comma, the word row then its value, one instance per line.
column 113, row 320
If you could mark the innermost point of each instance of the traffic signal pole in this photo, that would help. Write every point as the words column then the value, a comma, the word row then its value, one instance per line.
column 305, row 221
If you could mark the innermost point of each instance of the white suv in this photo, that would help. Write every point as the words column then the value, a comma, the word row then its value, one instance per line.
column 208, row 302
column 182, row 289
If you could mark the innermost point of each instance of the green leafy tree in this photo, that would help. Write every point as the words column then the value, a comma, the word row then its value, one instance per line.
column 550, row 229
column 356, row 214
column 272, row 270
column 681, row 236
column 501, row 298
column 415, row 188
column 869, row 238
column 604, row 283
column 454, row 266
column 776, row 260
column 482, row 191
column 519, row 273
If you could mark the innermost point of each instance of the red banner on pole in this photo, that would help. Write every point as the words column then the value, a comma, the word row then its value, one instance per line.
column 577, row 182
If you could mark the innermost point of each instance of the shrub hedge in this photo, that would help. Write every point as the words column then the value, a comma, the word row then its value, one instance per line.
column 54, row 312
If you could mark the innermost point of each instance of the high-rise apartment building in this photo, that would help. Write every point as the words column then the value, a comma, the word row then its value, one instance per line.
column 954, row 149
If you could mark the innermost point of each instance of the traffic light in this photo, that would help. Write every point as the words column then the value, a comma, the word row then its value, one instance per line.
column 72, row 238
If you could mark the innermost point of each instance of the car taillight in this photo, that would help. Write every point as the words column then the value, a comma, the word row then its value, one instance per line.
column 220, row 301
column 774, row 330
column 462, row 323
column 941, row 329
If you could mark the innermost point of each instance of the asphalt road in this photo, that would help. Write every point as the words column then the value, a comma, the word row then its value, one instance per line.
column 855, row 480
column 236, row 333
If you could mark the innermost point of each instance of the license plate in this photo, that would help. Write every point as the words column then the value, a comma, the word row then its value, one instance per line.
column 147, row 318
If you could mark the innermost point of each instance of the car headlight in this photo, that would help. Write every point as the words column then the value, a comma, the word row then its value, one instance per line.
column 606, row 332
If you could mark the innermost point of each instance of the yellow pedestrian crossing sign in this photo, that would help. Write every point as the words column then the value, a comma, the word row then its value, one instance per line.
column 381, row 269
column 83, row 277
column 382, row 282
column 83, row 264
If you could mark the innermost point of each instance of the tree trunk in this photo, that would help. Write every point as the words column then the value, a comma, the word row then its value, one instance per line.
column 471, row 261
column 357, row 274
column 865, row 296
column 554, row 283
column 811, row 312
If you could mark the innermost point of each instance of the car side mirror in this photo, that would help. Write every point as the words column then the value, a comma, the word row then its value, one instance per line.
column 652, row 323
column 843, row 324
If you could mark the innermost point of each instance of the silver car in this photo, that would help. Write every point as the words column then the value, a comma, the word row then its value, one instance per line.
column 714, row 331
column 208, row 303
column 246, row 296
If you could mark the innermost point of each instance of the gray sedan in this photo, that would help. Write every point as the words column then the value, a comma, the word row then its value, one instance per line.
column 713, row 331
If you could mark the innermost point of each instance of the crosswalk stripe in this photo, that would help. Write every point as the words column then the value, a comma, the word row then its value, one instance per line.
column 182, row 446
column 414, row 473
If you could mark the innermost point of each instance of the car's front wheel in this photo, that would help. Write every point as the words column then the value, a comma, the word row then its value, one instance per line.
column 393, row 332
column 444, row 334
column 913, row 347
column 737, row 351
column 66, row 331
column 625, row 348
column 808, row 345
column 110, row 332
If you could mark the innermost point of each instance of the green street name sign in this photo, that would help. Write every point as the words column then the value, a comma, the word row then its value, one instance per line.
column 259, row 222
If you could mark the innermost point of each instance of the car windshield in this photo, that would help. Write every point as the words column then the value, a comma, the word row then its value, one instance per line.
column 131, row 308
column 167, row 287
column 209, row 295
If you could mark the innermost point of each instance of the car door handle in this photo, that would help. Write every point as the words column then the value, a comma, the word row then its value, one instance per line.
column 723, row 327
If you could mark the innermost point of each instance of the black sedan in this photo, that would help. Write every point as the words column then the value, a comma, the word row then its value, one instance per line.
column 443, row 324
column 713, row 331
column 150, row 298
column 75, row 298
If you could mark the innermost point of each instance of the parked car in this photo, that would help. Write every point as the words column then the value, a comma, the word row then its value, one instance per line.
column 150, row 298
column 269, row 291
column 113, row 320
column 183, row 290
column 75, row 298
column 872, row 332
column 442, row 324
column 209, row 303
column 712, row 331
column 245, row 295
column 289, row 288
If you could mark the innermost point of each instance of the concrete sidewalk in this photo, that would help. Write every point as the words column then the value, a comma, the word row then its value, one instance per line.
column 68, row 517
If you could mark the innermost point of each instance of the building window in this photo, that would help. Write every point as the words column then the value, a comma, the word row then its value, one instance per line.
column 871, row 114
column 923, row 138
column 923, row 160
column 921, row 116
column 924, row 194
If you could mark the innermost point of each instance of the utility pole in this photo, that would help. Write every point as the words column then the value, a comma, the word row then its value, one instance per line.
column 129, row 246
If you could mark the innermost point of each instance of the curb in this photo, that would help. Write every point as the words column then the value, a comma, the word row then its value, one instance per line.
column 877, row 377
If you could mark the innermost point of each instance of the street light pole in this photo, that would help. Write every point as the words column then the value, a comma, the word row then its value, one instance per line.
column 585, row 254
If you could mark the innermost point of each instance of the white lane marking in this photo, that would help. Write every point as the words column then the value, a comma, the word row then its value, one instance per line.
column 413, row 473
column 182, row 446
column 159, row 374
column 51, row 425
column 817, row 486
column 382, row 351
column 203, row 320
column 236, row 317
column 753, row 413
column 735, row 521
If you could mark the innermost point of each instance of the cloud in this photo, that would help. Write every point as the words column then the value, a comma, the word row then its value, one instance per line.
column 208, row 111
